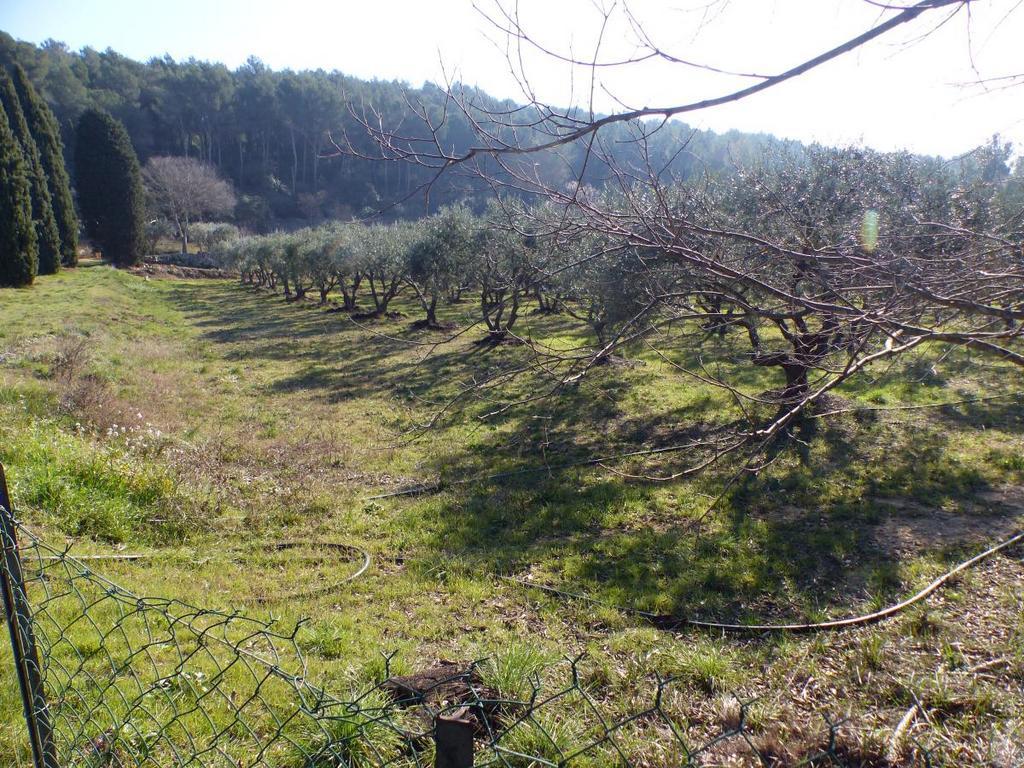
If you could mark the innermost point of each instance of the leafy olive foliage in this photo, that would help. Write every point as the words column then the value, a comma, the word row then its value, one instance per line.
column 819, row 258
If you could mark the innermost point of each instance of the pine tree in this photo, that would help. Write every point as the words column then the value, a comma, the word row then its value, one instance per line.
column 47, row 237
column 18, row 255
column 43, row 127
column 109, row 185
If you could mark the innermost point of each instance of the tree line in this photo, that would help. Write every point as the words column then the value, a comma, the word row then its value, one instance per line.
column 38, row 223
column 270, row 133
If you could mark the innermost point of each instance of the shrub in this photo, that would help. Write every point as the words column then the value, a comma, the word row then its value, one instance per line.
column 43, row 127
column 109, row 188
column 47, row 238
column 18, row 254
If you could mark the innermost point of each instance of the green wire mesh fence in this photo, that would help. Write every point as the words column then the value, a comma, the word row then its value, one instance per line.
column 110, row 678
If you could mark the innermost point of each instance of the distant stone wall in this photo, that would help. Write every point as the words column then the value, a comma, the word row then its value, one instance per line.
column 201, row 260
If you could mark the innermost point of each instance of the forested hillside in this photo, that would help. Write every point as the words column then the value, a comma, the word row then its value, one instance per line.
column 270, row 132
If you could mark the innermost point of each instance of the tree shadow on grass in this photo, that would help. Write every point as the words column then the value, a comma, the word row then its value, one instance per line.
column 329, row 354
column 797, row 537
column 1005, row 415
column 791, row 544
column 231, row 315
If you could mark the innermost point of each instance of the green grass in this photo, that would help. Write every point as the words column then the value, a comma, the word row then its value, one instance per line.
column 244, row 420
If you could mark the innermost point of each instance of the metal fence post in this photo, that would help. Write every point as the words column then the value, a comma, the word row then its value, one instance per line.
column 23, row 643
column 453, row 740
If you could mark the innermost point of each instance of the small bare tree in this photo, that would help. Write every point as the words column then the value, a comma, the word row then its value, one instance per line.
column 184, row 190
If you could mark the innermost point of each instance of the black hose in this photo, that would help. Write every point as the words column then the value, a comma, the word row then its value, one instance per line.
column 278, row 546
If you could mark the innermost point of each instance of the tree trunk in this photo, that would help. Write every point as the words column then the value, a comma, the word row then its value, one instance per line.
column 316, row 164
column 373, row 292
column 797, row 386
column 355, row 290
column 305, row 147
column 295, row 161
column 348, row 292
column 796, row 372
column 184, row 237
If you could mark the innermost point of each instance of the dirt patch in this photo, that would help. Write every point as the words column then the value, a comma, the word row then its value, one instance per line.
column 375, row 315
column 1010, row 497
column 910, row 528
column 447, row 685
column 446, row 681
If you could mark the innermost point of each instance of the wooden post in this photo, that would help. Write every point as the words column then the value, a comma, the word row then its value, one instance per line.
column 23, row 643
column 453, row 740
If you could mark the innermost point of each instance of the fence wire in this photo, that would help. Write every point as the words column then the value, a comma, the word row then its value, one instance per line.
column 138, row 681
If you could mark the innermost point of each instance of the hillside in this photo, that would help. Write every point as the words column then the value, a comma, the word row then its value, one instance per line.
column 270, row 132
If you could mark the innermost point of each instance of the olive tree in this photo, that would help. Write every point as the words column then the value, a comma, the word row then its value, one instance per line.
column 503, row 274
column 439, row 257
column 383, row 250
column 210, row 235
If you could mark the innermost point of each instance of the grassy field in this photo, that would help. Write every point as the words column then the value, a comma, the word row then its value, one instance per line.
column 201, row 422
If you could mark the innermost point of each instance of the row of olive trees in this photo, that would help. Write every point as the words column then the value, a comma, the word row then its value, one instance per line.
column 449, row 258
column 818, row 263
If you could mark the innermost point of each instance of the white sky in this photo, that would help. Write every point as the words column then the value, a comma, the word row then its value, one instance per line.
column 897, row 92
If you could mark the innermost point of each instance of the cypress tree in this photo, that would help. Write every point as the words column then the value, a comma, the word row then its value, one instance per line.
column 18, row 256
column 109, row 185
column 47, row 237
column 43, row 127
